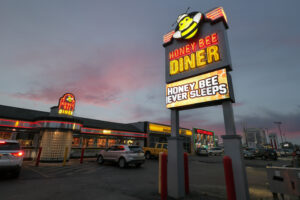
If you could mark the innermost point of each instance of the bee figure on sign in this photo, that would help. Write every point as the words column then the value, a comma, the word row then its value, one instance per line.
column 187, row 25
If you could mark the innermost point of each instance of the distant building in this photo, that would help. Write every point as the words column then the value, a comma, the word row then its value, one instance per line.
column 216, row 140
column 274, row 140
column 255, row 137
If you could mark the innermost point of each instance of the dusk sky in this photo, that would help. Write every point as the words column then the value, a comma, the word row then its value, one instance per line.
column 109, row 54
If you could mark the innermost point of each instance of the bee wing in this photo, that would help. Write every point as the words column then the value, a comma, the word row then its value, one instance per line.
column 197, row 17
column 177, row 34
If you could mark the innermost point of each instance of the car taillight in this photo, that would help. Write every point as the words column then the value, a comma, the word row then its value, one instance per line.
column 18, row 154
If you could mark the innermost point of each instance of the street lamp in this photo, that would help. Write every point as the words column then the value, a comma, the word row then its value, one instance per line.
column 279, row 123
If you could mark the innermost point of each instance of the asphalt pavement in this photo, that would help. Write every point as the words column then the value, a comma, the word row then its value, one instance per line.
column 93, row 181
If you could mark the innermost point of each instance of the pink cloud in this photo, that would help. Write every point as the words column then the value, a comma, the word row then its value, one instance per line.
column 100, row 81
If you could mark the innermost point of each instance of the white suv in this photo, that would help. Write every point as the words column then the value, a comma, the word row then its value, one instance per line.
column 123, row 155
column 11, row 157
column 215, row 151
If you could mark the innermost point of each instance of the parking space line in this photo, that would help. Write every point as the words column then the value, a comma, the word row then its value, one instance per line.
column 36, row 171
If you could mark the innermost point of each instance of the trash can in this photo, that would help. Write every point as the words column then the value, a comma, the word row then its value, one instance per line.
column 284, row 180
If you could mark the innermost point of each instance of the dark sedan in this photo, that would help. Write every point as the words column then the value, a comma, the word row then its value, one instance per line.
column 266, row 154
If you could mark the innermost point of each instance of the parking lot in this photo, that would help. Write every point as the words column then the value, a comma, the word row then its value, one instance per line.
column 91, row 180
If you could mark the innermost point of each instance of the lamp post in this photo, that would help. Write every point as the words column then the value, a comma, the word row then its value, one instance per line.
column 278, row 124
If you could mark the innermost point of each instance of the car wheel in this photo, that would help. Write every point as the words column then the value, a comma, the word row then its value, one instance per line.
column 100, row 160
column 148, row 155
column 138, row 165
column 210, row 154
column 122, row 163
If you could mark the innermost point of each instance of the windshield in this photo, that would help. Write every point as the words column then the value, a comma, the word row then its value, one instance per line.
column 9, row 146
column 135, row 148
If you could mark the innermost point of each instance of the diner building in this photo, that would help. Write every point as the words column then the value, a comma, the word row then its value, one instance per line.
column 59, row 130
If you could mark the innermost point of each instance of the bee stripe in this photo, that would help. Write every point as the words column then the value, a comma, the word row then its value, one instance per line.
column 185, row 33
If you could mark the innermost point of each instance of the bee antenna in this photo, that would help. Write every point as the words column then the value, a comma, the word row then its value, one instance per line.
column 187, row 9
column 174, row 24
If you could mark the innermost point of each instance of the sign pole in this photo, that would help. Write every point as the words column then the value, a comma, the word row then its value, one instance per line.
column 233, row 149
column 175, row 159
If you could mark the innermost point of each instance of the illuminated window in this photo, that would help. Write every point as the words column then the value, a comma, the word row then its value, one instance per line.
column 76, row 142
column 111, row 142
column 101, row 142
column 90, row 142
column 5, row 135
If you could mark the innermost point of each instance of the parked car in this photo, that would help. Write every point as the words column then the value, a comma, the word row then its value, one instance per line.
column 281, row 153
column 252, row 150
column 284, row 152
column 248, row 154
column 11, row 157
column 154, row 151
column 288, row 152
column 266, row 154
column 215, row 151
column 202, row 151
column 123, row 155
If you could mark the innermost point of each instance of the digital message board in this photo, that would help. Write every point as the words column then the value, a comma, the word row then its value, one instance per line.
column 66, row 104
column 199, row 91
column 197, row 45
column 204, row 132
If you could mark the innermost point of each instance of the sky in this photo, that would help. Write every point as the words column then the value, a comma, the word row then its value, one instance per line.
column 109, row 54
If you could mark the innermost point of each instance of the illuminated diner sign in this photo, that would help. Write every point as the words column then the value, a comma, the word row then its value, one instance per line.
column 66, row 104
column 204, row 132
column 157, row 128
column 197, row 45
column 199, row 90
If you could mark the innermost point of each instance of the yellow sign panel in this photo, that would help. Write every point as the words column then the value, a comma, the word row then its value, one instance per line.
column 167, row 129
column 207, row 87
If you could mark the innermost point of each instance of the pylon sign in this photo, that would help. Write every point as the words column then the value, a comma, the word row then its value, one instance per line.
column 197, row 61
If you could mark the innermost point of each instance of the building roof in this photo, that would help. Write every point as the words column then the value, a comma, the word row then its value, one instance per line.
column 93, row 123
column 9, row 112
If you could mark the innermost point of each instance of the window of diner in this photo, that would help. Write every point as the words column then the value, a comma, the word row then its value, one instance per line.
column 90, row 142
column 25, row 139
column 101, row 142
column 76, row 142
column 5, row 135
column 122, row 141
column 130, row 142
column 111, row 142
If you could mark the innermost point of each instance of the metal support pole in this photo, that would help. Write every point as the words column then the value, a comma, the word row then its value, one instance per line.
column 232, row 148
column 174, row 123
column 175, row 159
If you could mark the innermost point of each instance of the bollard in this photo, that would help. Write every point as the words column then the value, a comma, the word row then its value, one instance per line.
column 66, row 155
column 230, row 188
column 164, row 177
column 82, row 153
column 37, row 162
column 271, row 143
column 159, row 172
column 186, row 174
